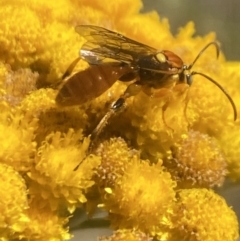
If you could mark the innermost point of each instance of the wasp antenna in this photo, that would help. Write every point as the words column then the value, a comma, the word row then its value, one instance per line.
column 222, row 89
column 202, row 51
column 162, row 71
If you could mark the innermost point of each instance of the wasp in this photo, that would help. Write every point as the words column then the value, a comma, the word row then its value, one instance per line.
column 111, row 57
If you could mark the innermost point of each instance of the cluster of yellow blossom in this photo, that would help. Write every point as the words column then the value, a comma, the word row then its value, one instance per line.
column 151, row 168
column 153, row 203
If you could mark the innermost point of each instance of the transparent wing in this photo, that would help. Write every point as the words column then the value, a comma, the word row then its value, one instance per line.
column 105, row 46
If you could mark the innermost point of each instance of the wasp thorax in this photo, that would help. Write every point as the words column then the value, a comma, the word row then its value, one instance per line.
column 161, row 57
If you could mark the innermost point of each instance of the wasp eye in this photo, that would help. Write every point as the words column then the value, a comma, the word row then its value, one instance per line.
column 161, row 57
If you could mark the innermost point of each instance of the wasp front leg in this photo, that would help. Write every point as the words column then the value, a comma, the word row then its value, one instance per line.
column 169, row 96
column 163, row 93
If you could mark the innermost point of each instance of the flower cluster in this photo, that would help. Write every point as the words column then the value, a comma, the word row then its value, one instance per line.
column 152, row 166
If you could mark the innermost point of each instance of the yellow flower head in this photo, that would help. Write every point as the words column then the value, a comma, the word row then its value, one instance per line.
column 16, row 84
column 17, row 138
column 230, row 142
column 142, row 198
column 127, row 234
column 54, row 178
column 13, row 204
column 115, row 156
column 203, row 215
column 36, row 42
column 38, row 102
column 197, row 160
column 44, row 223
column 41, row 104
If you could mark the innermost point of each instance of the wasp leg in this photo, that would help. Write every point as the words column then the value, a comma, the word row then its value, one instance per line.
column 160, row 93
column 70, row 68
column 118, row 105
column 164, row 108
column 68, row 72
column 186, row 100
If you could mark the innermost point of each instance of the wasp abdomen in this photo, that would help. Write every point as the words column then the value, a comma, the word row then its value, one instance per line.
column 88, row 84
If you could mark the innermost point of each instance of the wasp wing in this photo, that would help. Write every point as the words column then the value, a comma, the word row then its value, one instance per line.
column 105, row 46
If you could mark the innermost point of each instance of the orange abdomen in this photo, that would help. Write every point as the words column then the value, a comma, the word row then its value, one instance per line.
column 88, row 84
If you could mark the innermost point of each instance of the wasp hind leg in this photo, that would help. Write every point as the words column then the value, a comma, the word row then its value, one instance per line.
column 70, row 68
column 162, row 93
column 132, row 90
column 67, row 73
column 117, row 106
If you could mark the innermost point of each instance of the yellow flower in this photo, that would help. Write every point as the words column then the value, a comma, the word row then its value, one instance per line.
column 53, row 175
column 17, row 138
column 13, row 205
column 38, row 102
column 38, row 41
column 3, row 75
column 197, row 160
column 115, row 155
column 44, row 223
column 142, row 198
column 230, row 141
column 203, row 215
column 127, row 234
column 41, row 103
column 19, row 41
column 17, row 128
column 16, row 84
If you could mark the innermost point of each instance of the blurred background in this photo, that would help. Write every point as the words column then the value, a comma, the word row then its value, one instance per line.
column 219, row 16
